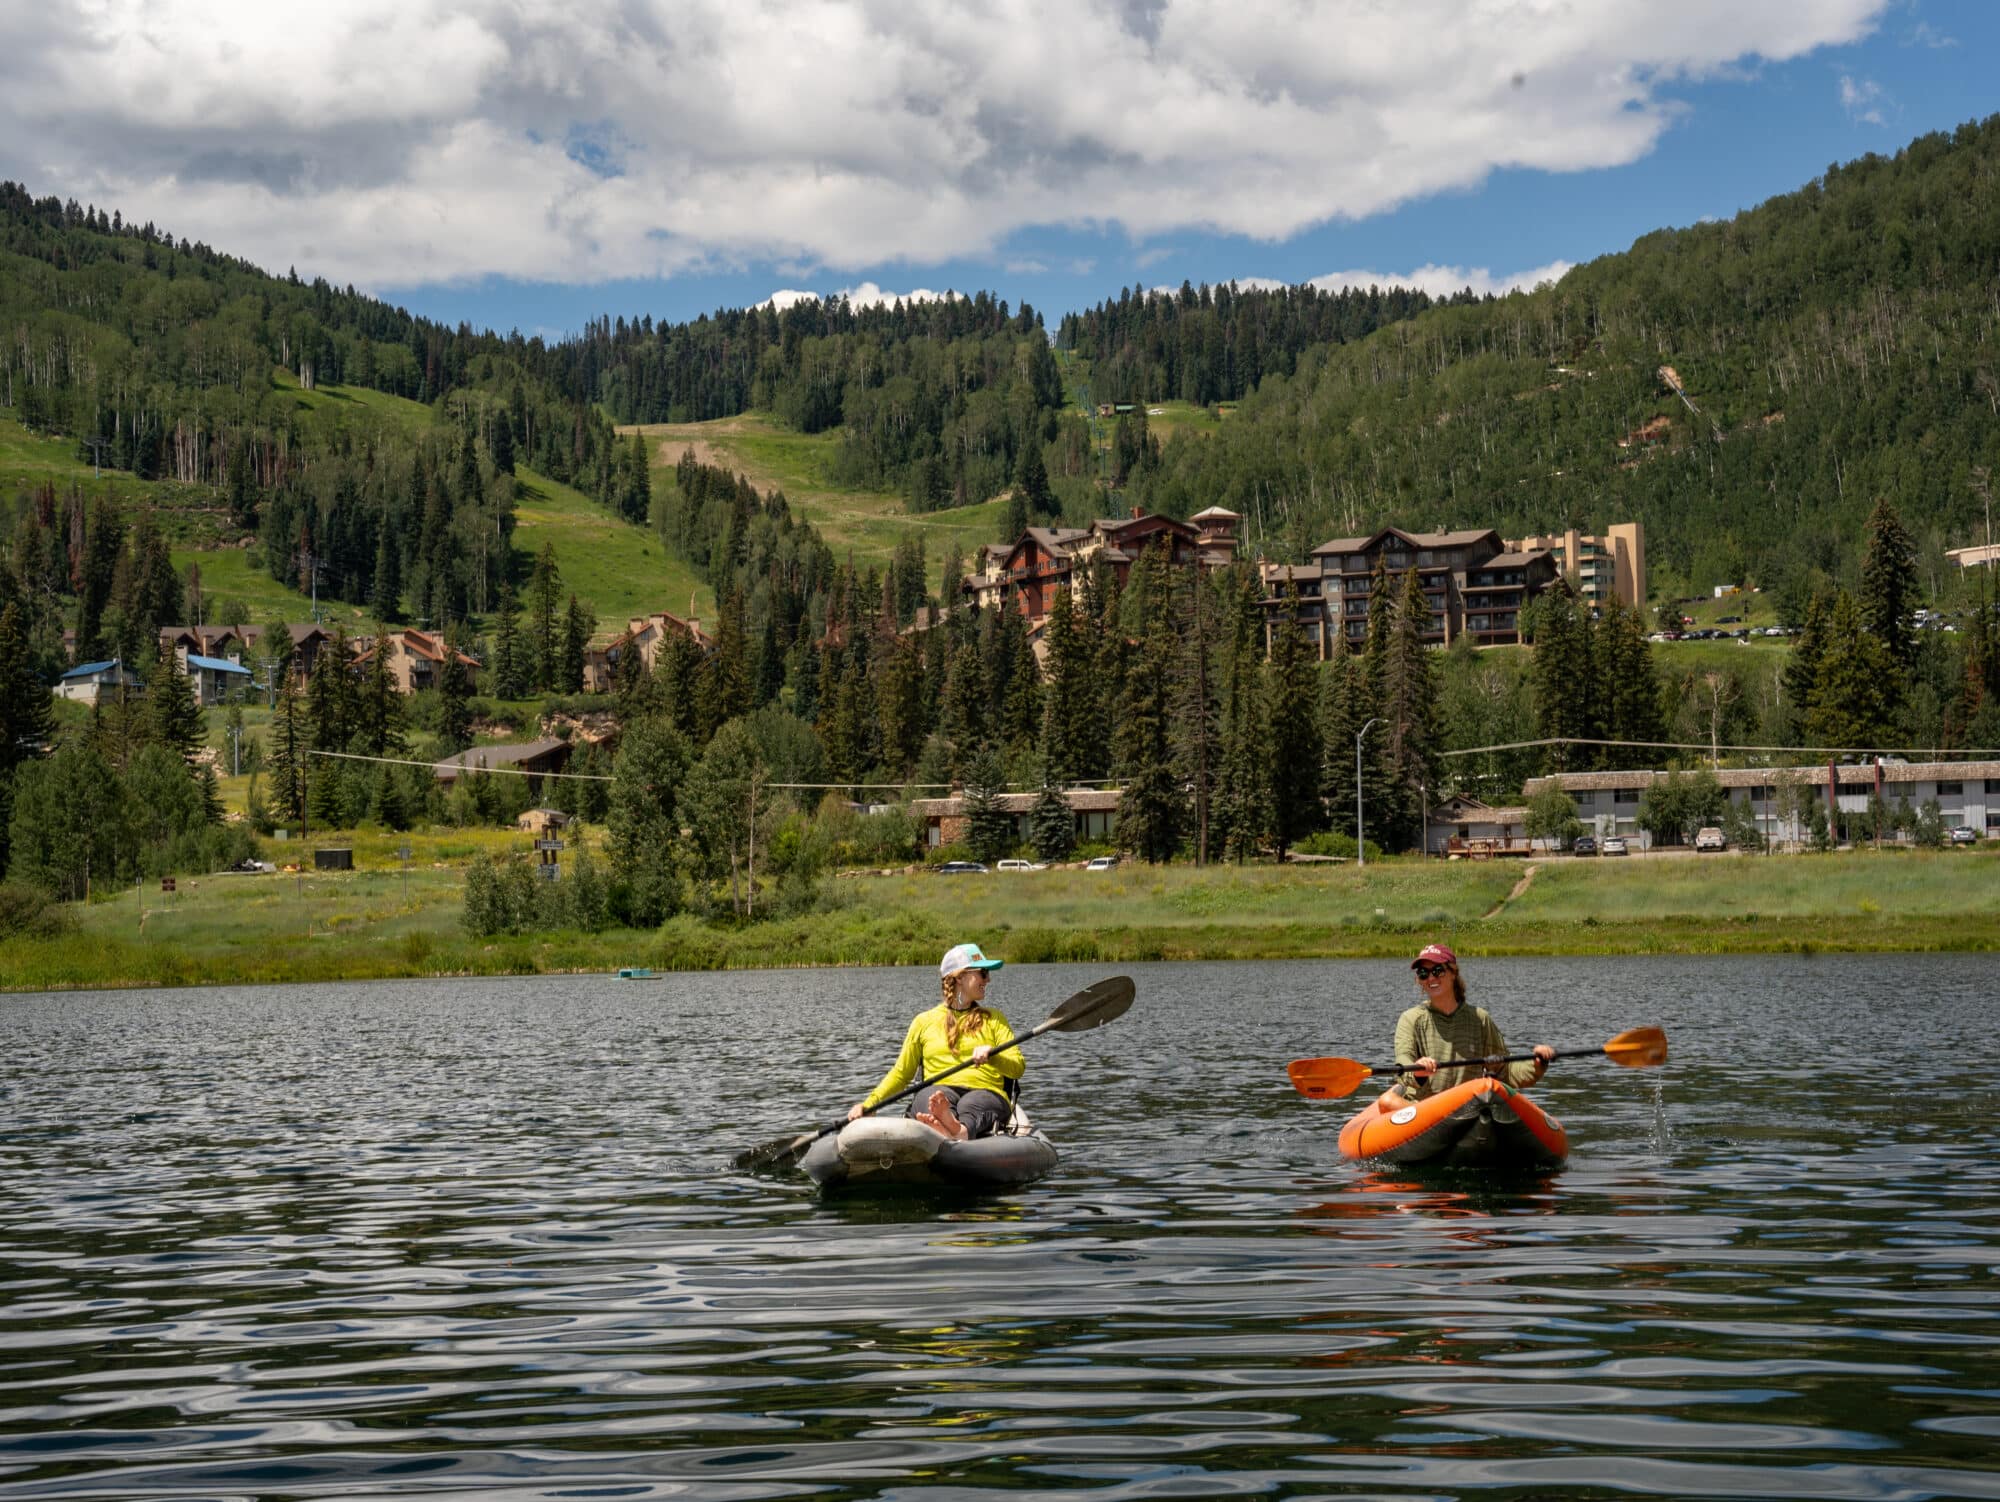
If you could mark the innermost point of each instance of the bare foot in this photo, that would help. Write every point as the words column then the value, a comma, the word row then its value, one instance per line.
column 940, row 1117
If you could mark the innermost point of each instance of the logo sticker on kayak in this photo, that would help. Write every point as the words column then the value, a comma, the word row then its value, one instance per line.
column 1405, row 1116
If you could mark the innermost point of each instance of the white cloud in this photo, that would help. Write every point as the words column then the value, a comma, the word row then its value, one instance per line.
column 1927, row 35
column 1862, row 98
column 1442, row 281
column 403, row 141
column 867, row 294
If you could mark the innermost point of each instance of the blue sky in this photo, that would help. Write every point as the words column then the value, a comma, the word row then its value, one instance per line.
column 518, row 164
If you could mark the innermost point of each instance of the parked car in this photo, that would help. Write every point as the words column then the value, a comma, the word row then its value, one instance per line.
column 1708, row 837
column 1103, row 863
column 1019, row 865
column 1585, row 845
column 1965, row 834
column 1614, row 844
column 961, row 868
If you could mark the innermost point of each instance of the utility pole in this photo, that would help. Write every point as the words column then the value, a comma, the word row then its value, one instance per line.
column 1360, row 843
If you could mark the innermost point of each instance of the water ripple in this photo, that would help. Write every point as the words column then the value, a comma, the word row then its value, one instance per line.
column 482, row 1240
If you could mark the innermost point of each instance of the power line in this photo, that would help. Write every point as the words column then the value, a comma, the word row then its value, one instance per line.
column 601, row 777
column 1932, row 752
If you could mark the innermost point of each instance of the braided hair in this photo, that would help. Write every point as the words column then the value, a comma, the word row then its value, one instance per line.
column 956, row 1023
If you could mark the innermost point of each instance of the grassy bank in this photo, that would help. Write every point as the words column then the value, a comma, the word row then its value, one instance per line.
column 376, row 922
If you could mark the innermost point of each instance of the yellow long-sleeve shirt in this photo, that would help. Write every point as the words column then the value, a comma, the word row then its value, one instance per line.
column 926, row 1054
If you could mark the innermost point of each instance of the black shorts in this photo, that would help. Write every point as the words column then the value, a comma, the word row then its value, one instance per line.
column 984, row 1112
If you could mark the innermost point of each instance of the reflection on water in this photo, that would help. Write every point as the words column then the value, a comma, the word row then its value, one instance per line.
column 482, row 1240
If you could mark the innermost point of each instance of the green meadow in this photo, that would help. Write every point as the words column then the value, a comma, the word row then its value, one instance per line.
column 375, row 921
column 866, row 524
column 618, row 568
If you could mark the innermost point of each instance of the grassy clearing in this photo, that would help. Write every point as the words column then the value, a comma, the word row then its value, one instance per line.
column 618, row 568
column 344, row 403
column 366, row 924
column 866, row 523
column 228, row 573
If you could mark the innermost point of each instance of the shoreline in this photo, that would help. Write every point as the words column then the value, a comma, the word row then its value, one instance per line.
column 378, row 924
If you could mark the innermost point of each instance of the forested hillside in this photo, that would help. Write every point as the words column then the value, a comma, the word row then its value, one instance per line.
column 936, row 400
column 181, row 365
column 1747, row 389
column 1214, row 344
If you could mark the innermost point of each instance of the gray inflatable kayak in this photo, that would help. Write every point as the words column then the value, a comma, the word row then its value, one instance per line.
column 888, row 1151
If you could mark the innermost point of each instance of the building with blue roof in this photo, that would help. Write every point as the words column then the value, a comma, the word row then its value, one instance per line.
column 213, row 678
column 92, row 681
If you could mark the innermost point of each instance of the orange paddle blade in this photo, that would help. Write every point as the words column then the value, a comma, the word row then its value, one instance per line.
column 1638, row 1048
column 1327, row 1079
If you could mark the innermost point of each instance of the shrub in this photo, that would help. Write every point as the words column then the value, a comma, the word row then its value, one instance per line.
column 28, row 912
column 1329, row 842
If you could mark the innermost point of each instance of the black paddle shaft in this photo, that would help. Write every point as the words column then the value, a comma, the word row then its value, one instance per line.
column 1508, row 1058
column 1115, row 998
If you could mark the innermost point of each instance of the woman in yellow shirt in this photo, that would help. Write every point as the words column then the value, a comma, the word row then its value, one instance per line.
column 960, row 1029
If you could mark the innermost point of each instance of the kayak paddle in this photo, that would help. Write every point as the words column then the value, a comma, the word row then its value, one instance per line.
column 1329, row 1079
column 1095, row 1005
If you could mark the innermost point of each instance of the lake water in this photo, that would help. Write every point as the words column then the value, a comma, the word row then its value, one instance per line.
column 481, row 1239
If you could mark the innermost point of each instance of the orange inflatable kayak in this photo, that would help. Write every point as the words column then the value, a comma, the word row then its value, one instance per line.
column 1479, row 1124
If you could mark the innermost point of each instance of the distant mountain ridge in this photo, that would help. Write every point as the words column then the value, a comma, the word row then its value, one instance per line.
column 1746, row 389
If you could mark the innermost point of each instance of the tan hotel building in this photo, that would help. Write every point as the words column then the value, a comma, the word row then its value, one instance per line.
column 1614, row 564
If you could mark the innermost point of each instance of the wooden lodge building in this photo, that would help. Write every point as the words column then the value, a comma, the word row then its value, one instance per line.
column 1475, row 586
column 644, row 634
column 1025, row 575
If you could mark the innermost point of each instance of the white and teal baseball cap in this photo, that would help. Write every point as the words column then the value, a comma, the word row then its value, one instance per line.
column 966, row 957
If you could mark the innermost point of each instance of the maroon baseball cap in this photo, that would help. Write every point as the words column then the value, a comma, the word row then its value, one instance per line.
column 1434, row 954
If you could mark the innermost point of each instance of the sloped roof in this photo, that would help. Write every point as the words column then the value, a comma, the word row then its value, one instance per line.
column 217, row 665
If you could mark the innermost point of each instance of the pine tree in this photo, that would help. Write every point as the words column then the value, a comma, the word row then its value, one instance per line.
column 290, row 739
column 1152, row 807
column 1889, row 589
column 1629, row 686
column 1067, row 698
column 378, row 708
column 1031, row 482
column 385, row 599
column 1240, row 806
column 513, row 671
column 1409, row 710
column 330, row 695
column 1051, row 823
column 1851, row 704
column 1561, row 675
column 989, row 828
column 726, row 692
column 1800, row 674
column 545, row 621
column 1292, row 700
column 577, row 626
column 174, row 719
column 454, row 696
column 27, row 715
column 1197, row 706
column 1020, row 701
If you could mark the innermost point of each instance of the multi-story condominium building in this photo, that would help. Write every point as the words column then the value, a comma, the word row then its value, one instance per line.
column 1967, row 794
column 1475, row 585
column 1614, row 564
column 643, row 634
column 1025, row 574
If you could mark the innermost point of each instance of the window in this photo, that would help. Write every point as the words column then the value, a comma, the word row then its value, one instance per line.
column 1625, row 795
column 1951, row 790
column 1992, row 785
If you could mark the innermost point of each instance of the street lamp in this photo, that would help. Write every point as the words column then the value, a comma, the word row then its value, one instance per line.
column 1360, row 844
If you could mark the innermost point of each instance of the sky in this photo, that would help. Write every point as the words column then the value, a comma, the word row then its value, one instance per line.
column 533, row 164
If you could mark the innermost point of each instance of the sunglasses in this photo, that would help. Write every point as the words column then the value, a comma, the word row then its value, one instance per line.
column 1425, row 972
